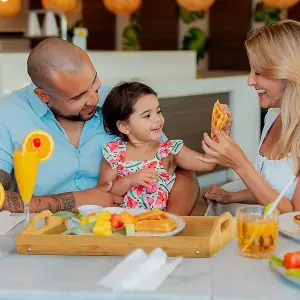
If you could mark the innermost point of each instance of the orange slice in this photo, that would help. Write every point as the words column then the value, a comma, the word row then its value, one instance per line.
column 39, row 140
column 2, row 195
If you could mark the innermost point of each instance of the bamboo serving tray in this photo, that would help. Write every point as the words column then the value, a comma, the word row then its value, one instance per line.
column 202, row 236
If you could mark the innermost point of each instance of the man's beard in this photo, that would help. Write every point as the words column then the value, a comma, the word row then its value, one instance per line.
column 78, row 117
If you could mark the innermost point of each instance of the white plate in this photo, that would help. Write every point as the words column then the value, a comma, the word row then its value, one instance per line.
column 288, row 227
column 281, row 271
column 180, row 222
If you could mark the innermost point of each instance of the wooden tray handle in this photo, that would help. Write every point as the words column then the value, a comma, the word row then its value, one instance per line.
column 31, row 226
column 224, row 224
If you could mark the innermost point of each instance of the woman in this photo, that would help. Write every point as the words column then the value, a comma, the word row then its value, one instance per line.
column 274, row 58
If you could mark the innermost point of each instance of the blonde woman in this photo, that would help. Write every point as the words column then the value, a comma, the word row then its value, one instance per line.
column 274, row 58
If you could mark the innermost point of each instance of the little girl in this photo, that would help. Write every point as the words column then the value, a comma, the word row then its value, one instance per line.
column 140, row 165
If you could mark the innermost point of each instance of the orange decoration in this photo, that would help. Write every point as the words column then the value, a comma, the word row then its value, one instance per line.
column 9, row 8
column 281, row 3
column 196, row 5
column 122, row 7
column 63, row 5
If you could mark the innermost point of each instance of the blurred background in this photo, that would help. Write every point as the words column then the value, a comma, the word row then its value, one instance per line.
column 190, row 51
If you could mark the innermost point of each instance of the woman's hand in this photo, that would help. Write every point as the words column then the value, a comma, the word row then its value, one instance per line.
column 215, row 193
column 228, row 124
column 224, row 151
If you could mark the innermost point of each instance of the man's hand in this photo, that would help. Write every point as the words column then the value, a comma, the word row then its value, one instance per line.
column 98, row 196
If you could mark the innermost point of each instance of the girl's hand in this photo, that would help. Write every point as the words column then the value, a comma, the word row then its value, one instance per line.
column 144, row 177
column 224, row 151
column 228, row 124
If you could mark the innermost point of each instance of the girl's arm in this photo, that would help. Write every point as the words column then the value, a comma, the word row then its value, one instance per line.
column 186, row 158
column 107, row 174
column 121, row 186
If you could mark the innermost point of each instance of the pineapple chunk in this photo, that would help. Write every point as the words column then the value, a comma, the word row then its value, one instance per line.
column 104, row 216
column 103, row 228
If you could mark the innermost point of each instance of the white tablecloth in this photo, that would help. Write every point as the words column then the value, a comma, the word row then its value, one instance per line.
column 226, row 276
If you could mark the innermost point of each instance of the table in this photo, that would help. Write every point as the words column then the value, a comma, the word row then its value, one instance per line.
column 225, row 276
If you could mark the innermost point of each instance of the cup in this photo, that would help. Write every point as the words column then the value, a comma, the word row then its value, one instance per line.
column 257, row 236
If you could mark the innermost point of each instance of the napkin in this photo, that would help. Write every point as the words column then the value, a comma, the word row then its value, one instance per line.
column 9, row 221
column 140, row 272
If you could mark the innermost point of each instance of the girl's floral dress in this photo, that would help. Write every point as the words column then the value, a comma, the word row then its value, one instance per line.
column 138, row 196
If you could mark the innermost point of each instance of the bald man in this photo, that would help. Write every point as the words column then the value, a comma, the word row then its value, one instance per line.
column 63, row 99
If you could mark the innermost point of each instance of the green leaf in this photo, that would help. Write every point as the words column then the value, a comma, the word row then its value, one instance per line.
column 189, row 17
column 67, row 214
column 131, row 38
column 293, row 272
column 272, row 19
column 196, row 40
column 260, row 12
column 266, row 14
column 78, row 229
column 276, row 260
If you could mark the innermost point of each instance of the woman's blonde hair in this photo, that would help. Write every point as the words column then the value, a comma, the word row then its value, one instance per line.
column 274, row 52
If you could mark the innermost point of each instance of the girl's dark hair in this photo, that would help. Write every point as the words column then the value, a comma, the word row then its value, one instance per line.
column 118, row 105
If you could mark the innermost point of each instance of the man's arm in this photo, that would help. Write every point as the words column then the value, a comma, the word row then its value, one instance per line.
column 65, row 201
column 184, row 194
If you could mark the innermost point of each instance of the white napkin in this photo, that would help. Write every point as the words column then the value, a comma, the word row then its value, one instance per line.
column 141, row 272
column 8, row 221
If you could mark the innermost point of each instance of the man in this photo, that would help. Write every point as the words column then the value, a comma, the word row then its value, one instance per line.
column 63, row 99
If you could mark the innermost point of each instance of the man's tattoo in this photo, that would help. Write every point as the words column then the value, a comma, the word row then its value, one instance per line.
column 42, row 205
column 64, row 201
column 6, row 180
column 13, row 202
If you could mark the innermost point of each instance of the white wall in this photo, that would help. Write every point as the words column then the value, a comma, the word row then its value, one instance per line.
column 160, row 66
column 172, row 74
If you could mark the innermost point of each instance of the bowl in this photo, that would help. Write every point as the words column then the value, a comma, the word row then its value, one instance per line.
column 88, row 209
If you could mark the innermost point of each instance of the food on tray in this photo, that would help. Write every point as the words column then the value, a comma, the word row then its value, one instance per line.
column 165, row 225
column 218, row 119
column 103, row 228
column 149, row 221
column 297, row 219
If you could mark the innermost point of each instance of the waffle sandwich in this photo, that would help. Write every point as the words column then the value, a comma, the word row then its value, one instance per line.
column 218, row 119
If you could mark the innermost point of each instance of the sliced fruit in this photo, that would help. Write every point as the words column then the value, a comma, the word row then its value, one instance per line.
column 2, row 195
column 293, row 272
column 41, row 141
column 116, row 221
column 92, row 219
column 276, row 260
column 130, row 229
column 104, row 216
column 127, row 218
column 84, row 221
column 102, row 228
column 291, row 260
column 266, row 208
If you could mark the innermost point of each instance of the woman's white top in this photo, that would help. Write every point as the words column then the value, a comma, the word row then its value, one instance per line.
column 277, row 173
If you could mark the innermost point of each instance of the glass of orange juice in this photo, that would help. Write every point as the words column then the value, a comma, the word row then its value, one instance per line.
column 257, row 237
column 26, row 169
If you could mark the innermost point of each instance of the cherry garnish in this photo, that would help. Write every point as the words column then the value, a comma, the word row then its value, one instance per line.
column 37, row 142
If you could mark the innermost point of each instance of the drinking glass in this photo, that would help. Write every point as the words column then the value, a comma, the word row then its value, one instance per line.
column 26, row 169
column 257, row 237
